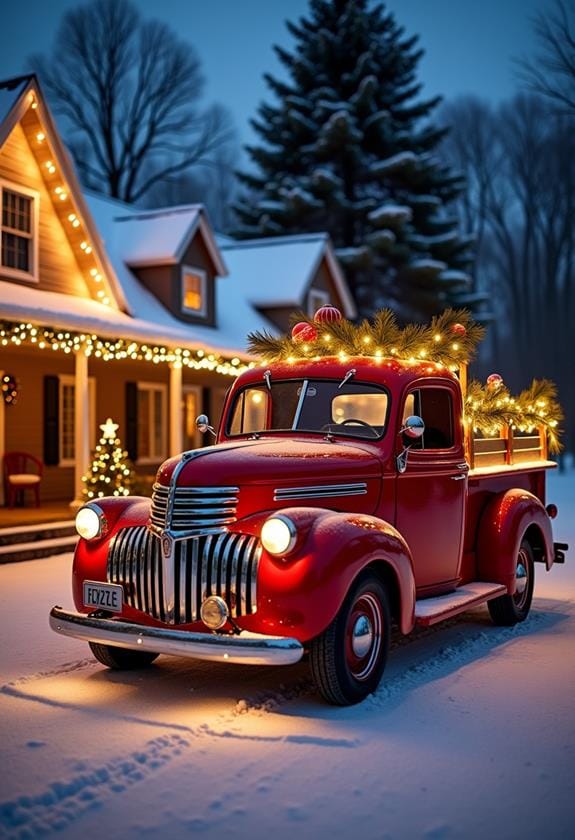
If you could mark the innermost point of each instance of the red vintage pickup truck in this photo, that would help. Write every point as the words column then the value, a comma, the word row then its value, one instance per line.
column 343, row 494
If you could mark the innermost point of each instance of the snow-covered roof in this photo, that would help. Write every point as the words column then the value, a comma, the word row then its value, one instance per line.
column 160, row 237
column 235, row 316
column 277, row 271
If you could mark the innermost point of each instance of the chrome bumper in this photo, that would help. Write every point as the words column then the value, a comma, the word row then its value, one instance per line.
column 246, row 648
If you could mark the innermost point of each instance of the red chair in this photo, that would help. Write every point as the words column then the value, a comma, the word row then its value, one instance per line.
column 19, row 477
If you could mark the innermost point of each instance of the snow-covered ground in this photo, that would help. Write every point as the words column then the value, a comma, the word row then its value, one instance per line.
column 471, row 733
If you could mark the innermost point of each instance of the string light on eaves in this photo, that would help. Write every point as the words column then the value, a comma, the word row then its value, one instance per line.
column 48, row 338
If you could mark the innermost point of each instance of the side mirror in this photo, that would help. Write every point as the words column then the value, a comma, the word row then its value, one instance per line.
column 413, row 430
column 414, row 427
column 203, row 425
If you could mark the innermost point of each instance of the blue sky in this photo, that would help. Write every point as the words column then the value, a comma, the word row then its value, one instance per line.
column 469, row 44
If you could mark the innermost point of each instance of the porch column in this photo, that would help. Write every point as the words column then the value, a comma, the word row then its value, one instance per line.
column 81, row 425
column 2, row 445
column 175, row 443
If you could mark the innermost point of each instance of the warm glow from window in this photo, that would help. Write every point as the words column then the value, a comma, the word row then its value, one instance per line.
column 194, row 291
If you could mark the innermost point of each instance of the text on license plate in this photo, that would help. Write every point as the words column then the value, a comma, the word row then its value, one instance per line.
column 103, row 596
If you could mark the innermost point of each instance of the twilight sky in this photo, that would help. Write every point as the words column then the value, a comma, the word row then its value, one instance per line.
column 469, row 44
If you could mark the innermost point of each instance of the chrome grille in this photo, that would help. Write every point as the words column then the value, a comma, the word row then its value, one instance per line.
column 224, row 564
column 195, row 509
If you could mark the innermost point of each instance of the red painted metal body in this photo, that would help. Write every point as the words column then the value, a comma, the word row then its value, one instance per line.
column 426, row 531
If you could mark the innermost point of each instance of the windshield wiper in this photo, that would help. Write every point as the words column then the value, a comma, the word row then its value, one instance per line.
column 346, row 378
column 268, row 379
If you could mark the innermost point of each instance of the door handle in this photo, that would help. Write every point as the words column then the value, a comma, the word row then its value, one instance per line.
column 458, row 477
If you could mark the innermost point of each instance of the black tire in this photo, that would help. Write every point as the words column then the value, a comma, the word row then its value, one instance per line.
column 122, row 659
column 511, row 609
column 343, row 669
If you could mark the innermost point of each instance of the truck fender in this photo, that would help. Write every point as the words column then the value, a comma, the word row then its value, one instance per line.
column 309, row 589
column 507, row 519
column 91, row 556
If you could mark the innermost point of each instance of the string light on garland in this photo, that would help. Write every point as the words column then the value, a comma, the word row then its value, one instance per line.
column 379, row 338
column 9, row 389
column 490, row 409
column 51, row 338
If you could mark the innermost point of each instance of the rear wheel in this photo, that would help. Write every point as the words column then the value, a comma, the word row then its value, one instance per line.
column 348, row 659
column 511, row 609
column 121, row 659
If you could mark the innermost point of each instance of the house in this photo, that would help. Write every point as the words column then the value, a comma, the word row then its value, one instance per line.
column 110, row 311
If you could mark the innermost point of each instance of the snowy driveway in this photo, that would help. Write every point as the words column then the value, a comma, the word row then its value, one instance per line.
column 471, row 734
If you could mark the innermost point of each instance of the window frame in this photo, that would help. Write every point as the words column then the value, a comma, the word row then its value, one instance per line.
column 31, row 276
column 202, row 274
column 379, row 386
column 67, row 379
column 155, row 457
column 417, row 450
column 322, row 294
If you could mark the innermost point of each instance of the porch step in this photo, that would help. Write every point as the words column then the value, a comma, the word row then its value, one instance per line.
column 32, row 533
column 432, row 610
column 27, row 542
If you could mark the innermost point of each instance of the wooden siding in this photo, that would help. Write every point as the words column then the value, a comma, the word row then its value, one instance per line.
column 58, row 269
column 25, row 420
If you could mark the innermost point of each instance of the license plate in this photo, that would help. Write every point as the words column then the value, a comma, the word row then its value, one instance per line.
column 103, row 596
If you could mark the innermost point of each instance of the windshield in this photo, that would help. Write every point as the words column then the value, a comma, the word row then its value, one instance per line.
column 310, row 405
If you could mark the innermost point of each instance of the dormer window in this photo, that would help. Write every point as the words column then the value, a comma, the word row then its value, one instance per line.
column 194, row 291
column 19, row 223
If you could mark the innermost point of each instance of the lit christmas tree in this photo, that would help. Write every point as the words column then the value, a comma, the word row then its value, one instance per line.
column 111, row 473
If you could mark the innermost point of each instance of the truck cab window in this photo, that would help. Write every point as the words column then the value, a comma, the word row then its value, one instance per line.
column 434, row 406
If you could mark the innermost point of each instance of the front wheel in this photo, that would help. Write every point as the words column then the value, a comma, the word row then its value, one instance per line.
column 122, row 659
column 348, row 659
column 511, row 609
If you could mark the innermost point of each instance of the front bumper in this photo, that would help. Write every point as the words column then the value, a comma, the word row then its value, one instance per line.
column 246, row 648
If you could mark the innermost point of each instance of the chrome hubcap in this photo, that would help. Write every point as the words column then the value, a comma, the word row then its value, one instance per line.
column 362, row 636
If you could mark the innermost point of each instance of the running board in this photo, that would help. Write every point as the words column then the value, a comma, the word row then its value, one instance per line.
column 431, row 610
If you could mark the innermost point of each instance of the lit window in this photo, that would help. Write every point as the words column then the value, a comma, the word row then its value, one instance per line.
column 19, row 210
column 194, row 291
column 152, row 426
column 67, row 424
column 315, row 299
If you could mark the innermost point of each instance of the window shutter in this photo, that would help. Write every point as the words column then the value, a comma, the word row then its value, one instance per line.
column 132, row 420
column 51, row 420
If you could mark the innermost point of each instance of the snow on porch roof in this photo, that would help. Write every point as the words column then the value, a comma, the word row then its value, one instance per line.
column 67, row 312
column 161, row 236
column 277, row 271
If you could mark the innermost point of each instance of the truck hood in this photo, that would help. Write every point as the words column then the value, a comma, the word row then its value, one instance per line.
column 274, row 461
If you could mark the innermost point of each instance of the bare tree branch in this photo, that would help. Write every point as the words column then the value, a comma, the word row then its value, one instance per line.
column 128, row 93
column 552, row 72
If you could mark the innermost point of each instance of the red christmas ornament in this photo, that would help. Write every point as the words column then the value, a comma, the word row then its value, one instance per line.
column 494, row 381
column 303, row 332
column 327, row 314
column 458, row 329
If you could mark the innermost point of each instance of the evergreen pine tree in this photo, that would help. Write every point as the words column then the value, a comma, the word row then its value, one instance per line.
column 349, row 149
column 111, row 473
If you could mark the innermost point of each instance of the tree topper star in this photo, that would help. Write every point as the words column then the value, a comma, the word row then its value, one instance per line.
column 109, row 429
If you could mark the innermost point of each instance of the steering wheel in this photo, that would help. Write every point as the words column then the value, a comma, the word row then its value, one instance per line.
column 357, row 422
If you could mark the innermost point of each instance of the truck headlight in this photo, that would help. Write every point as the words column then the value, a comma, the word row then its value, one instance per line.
column 90, row 522
column 278, row 535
